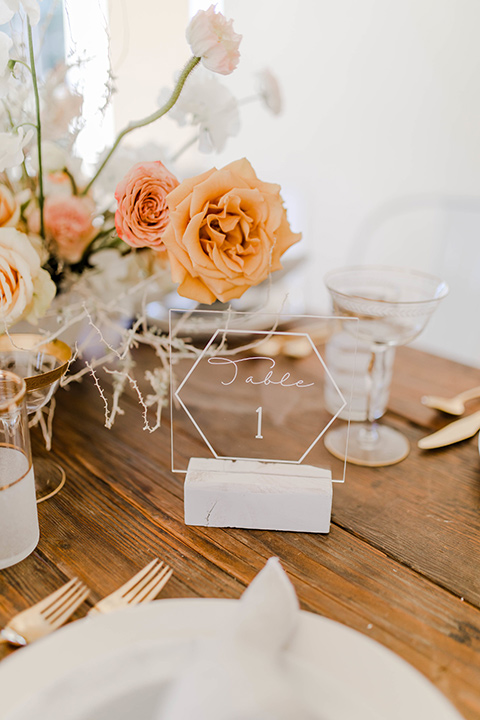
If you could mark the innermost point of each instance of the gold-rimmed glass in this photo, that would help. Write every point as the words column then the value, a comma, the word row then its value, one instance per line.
column 393, row 305
column 19, row 530
column 41, row 363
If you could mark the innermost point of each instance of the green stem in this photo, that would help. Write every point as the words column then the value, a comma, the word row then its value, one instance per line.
column 12, row 63
column 24, row 124
column 72, row 180
column 184, row 147
column 41, row 197
column 192, row 63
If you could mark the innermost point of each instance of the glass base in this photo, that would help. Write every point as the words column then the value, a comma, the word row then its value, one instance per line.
column 387, row 448
column 49, row 478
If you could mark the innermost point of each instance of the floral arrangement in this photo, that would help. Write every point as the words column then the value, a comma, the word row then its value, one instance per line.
column 61, row 240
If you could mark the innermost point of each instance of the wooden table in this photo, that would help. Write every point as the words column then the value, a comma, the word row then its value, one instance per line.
column 399, row 565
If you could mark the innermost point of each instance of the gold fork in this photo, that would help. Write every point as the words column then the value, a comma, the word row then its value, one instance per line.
column 45, row 616
column 142, row 587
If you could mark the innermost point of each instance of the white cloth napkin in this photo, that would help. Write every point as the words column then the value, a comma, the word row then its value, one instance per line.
column 241, row 673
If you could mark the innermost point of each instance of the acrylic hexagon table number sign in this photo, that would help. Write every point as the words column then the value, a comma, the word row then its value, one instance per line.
column 248, row 414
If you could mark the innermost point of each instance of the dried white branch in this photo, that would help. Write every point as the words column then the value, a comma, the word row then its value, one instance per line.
column 106, row 340
column 46, row 425
column 101, row 393
column 142, row 402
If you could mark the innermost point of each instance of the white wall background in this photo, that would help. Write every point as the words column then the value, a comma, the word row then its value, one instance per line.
column 378, row 148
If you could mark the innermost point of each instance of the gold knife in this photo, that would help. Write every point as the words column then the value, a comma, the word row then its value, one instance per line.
column 452, row 433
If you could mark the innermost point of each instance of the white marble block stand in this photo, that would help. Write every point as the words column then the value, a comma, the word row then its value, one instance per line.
column 258, row 495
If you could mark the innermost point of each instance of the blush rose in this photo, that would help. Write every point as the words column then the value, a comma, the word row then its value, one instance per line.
column 211, row 37
column 227, row 232
column 142, row 213
column 68, row 224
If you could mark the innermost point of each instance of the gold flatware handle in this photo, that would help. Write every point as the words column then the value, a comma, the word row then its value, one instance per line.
column 452, row 405
column 452, row 433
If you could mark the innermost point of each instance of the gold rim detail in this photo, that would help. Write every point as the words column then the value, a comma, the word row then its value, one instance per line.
column 18, row 342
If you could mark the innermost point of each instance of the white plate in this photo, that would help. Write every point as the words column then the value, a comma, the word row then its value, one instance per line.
column 341, row 672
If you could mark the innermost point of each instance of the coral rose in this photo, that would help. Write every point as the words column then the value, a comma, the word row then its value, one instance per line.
column 26, row 290
column 142, row 213
column 68, row 224
column 227, row 232
column 9, row 208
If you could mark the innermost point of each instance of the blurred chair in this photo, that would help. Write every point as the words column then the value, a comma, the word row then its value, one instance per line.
column 438, row 234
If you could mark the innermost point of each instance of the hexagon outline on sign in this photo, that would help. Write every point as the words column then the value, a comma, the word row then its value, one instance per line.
column 267, row 333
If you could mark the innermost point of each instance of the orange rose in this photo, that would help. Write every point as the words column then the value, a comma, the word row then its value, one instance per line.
column 142, row 214
column 9, row 208
column 227, row 232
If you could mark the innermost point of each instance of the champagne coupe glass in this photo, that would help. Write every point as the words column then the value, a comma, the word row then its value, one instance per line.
column 41, row 363
column 393, row 305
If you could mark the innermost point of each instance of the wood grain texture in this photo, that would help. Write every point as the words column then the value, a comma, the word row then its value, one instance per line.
column 399, row 565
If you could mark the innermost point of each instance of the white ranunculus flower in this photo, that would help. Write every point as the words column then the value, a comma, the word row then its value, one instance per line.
column 5, row 45
column 17, row 94
column 5, row 74
column 6, row 83
column 8, row 8
column 26, row 290
column 270, row 91
column 210, row 105
column 11, row 148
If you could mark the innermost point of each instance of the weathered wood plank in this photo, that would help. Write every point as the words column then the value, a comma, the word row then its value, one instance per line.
column 399, row 559
column 419, row 511
column 416, row 374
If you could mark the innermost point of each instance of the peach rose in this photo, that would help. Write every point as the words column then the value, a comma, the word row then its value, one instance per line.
column 9, row 208
column 142, row 214
column 26, row 290
column 227, row 232
column 68, row 224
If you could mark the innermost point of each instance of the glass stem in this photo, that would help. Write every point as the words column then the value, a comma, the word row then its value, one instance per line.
column 376, row 383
